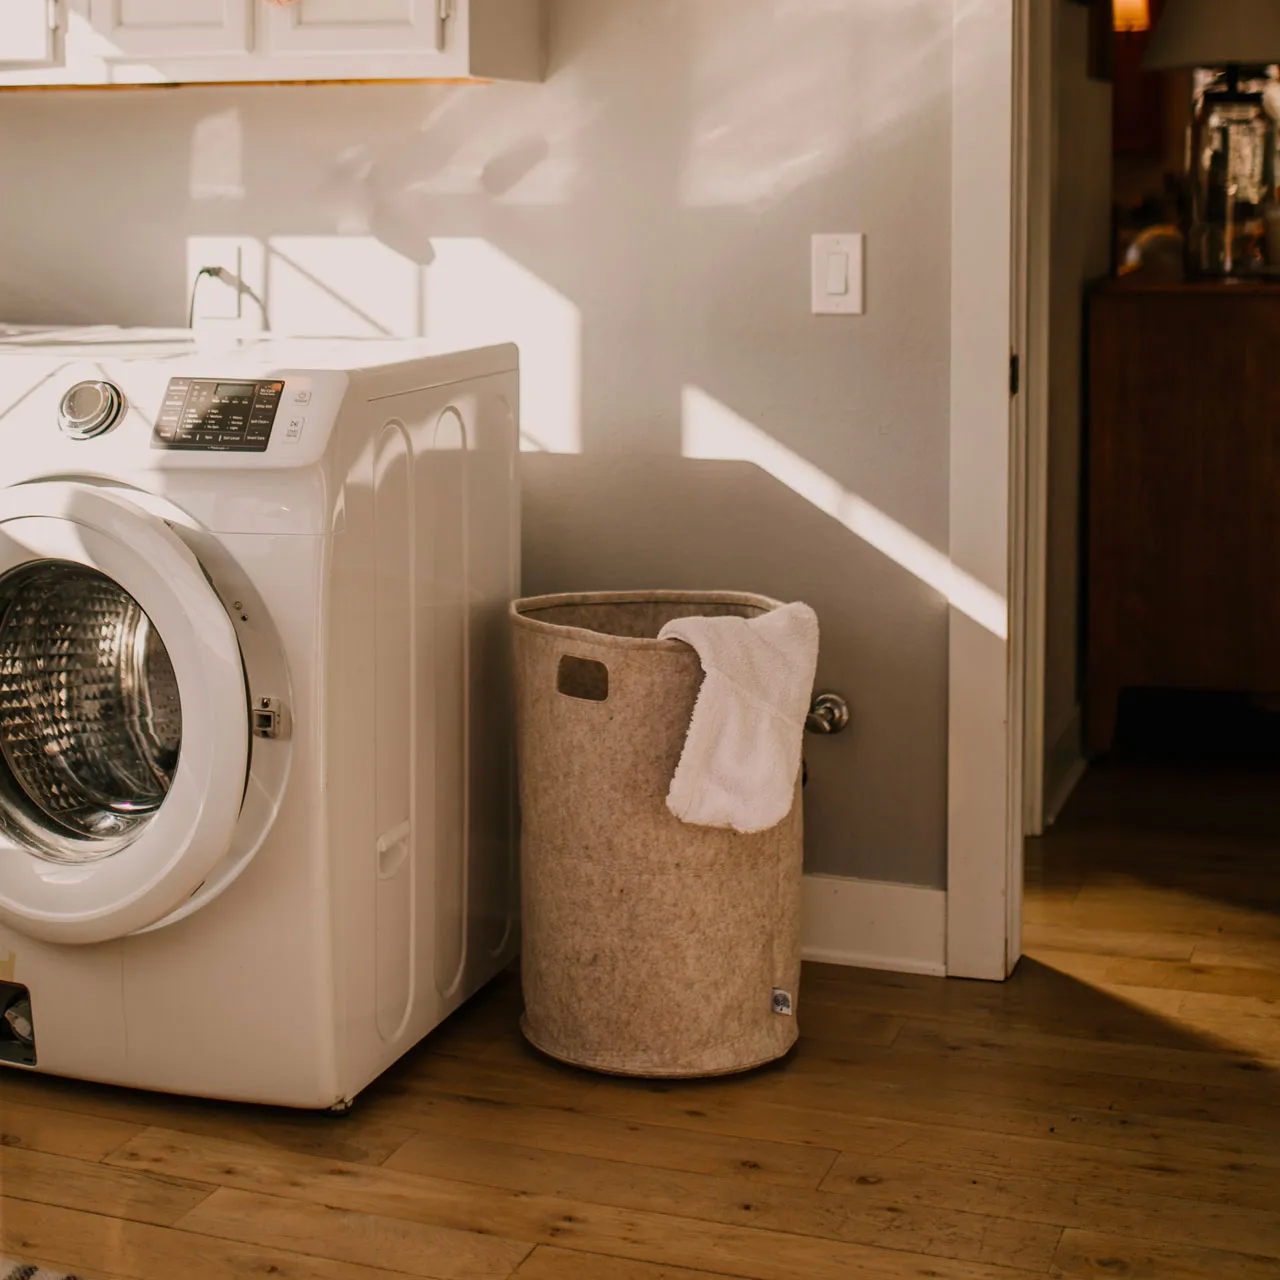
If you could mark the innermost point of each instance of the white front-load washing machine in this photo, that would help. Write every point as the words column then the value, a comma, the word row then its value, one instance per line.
column 256, row 803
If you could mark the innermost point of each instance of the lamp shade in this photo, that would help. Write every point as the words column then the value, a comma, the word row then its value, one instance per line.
column 1215, row 33
column 1132, row 15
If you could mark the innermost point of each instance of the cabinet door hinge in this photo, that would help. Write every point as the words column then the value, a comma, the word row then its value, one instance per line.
column 1015, row 374
column 444, row 11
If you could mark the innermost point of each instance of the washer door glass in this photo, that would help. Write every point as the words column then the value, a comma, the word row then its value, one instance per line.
column 90, row 714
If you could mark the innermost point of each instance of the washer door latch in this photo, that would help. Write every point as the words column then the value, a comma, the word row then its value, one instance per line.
column 269, row 718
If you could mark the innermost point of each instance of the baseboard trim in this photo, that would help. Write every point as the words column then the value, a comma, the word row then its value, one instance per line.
column 1064, row 765
column 869, row 924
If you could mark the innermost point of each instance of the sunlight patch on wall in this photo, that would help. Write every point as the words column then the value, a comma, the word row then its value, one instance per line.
column 710, row 429
column 476, row 296
column 342, row 286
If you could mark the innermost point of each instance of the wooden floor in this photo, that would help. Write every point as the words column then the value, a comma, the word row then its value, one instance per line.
column 1111, row 1111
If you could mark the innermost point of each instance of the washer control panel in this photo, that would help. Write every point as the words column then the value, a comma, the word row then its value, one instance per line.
column 214, row 415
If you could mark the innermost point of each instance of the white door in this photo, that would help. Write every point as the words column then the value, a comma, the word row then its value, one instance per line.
column 174, row 28
column 28, row 34
column 358, row 26
column 124, row 720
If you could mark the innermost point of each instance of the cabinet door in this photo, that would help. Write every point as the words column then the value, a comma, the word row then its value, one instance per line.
column 358, row 26
column 165, row 29
column 28, row 34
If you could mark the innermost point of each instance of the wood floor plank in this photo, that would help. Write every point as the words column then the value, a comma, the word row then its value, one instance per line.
column 1259, row 1037
column 1261, row 1011
column 139, row 1251
column 367, row 1239
column 546, row 1263
column 1099, row 907
column 935, row 1230
column 528, row 1082
column 1216, row 979
column 96, row 1187
column 1248, row 955
column 902, row 1083
column 727, row 1114
column 1088, row 1256
column 1026, row 1197
column 1042, row 999
column 574, row 1133
column 644, row 1236
column 1046, row 936
column 1208, row 1176
column 73, row 1108
column 880, row 1103
column 60, row 1133
column 1202, row 1066
column 1195, row 1174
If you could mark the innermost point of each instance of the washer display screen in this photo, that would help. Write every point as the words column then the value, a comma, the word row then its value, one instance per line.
column 213, row 415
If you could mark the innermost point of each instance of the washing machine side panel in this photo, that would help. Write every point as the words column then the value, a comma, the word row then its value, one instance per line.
column 494, row 581
column 462, row 514
column 76, row 1005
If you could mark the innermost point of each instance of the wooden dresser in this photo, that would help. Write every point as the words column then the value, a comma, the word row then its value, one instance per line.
column 1183, row 492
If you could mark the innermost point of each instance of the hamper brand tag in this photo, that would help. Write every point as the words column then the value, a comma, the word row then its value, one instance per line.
column 782, row 1002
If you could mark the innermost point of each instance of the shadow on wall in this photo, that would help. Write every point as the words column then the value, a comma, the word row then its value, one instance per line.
column 640, row 226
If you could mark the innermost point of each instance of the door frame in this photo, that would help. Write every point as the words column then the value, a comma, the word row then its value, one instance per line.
column 1001, row 201
column 1034, row 162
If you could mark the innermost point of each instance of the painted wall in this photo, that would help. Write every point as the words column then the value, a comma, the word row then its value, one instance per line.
column 640, row 224
column 1081, row 253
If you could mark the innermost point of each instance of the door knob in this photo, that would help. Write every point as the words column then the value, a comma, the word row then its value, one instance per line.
column 829, row 713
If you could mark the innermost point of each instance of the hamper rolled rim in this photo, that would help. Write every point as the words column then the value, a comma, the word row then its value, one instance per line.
column 520, row 610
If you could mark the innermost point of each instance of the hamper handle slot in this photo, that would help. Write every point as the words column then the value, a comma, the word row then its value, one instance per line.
column 582, row 678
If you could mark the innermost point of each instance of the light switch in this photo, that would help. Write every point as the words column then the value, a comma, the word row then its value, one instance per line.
column 836, row 274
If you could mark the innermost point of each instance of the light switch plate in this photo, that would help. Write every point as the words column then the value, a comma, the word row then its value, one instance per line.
column 836, row 260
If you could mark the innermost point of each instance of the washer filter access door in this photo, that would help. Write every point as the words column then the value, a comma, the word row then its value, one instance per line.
column 124, row 723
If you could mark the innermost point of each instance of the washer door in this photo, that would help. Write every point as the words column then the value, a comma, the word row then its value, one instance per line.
column 124, row 722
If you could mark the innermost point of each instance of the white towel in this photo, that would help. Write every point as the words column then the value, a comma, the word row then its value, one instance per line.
column 742, row 753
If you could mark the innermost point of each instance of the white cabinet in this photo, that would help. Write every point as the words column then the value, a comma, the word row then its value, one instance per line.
column 105, row 42
column 29, row 35
column 173, row 28
column 348, row 26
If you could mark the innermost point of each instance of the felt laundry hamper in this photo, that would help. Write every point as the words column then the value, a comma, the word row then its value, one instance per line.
column 651, row 947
